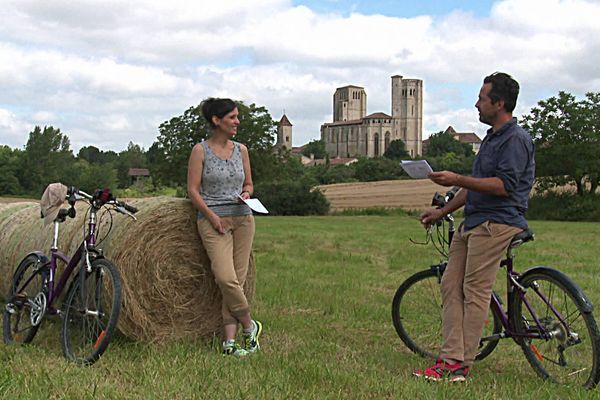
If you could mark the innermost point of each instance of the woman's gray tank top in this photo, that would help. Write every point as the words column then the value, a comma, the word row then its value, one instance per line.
column 222, row 182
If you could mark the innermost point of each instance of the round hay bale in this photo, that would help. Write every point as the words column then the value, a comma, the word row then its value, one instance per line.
column 169, row 291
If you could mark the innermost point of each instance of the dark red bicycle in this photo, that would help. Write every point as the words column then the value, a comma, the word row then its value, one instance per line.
column 91, row 307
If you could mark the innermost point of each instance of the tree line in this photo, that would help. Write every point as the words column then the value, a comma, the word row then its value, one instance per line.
column 566, row 132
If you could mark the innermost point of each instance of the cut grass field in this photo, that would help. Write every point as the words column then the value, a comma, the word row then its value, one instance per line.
column 409, row 194
column 324, row 291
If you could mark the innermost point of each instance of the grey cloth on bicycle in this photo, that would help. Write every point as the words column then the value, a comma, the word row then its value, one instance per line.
column 53, row 197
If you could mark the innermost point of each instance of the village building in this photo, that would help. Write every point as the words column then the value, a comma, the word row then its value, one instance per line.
column 464, row 137
column 137, row 175
column 284, row 133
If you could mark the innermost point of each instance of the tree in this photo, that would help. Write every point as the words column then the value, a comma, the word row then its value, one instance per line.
column 396, row 150
column 109, row 157
column 89, row 177
column 566, row 133
column 90, row 153
column 441, row 143
column 178, row 135
column 133, row 157
column 325, row 174
column 315, row 148
column 9, row 166
column 46, row 159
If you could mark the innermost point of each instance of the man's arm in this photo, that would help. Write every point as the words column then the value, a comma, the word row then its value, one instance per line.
column 491, row 185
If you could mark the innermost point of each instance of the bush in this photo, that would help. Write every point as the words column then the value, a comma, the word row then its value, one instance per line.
column 291, row 198
column 326, row 174
column 564, row 207
column 149, row 191
column 377, row 169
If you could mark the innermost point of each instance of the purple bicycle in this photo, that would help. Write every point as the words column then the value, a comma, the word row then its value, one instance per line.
column 547, row 314
column 93, row 301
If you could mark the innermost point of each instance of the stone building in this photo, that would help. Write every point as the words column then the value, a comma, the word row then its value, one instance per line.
column 469, row 138
column 354, row 133
column 284, row 133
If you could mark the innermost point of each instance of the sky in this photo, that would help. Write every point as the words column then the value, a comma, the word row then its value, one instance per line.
column 109, row 72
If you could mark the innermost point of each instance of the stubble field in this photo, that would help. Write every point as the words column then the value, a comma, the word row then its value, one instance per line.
column 406, row 194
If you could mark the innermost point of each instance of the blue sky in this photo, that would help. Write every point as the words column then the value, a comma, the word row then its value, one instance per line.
column 107, row 73
column 395, row 8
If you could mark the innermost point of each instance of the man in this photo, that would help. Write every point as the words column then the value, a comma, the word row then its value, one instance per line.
column 495, row 199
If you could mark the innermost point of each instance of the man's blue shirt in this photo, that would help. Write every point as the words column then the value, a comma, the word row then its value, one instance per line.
column 507, row 154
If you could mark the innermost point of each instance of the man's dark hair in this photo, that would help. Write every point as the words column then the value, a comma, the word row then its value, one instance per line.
column 215, row 107
column 504, row 87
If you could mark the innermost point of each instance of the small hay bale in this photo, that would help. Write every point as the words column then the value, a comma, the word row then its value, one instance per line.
column 169, row 291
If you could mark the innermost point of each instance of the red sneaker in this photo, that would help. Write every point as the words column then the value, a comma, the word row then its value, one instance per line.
column 457, row 372
column 443, row 371
column 434, row 373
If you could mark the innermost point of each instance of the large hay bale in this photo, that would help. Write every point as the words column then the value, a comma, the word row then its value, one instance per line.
column 169, row 291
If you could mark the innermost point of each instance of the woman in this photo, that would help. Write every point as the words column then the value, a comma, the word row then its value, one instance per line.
column 219, row 172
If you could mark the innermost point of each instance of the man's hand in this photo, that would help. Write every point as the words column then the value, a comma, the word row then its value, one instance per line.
column 431, row 215
column 445, row 178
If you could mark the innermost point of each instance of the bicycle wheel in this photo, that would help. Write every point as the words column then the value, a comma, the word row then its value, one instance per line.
column 417, row 316
column 26, row 302
column 90, row 318
column 570, row 354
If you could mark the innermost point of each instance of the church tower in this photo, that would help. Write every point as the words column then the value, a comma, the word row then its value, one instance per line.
column 349, row 103
column 284, row 133
column 407, row 112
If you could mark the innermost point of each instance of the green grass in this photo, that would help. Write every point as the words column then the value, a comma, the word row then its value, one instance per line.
column 324, row 290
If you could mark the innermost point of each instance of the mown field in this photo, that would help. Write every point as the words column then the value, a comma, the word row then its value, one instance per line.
column 407, row 194
column 324, row 289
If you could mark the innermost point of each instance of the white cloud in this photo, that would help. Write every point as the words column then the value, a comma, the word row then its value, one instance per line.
column 110, row 72
column 43, row 116
column 12, row 128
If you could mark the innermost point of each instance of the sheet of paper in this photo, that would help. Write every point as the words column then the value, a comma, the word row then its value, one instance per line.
column 417, row 169
column 255, row 205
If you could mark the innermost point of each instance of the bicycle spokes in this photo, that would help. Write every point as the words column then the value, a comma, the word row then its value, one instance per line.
column 27, row 302
column 560, row 337
column 89, row 323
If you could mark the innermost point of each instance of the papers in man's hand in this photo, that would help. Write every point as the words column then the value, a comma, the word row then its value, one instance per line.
column 255, row 205
column 418, row 169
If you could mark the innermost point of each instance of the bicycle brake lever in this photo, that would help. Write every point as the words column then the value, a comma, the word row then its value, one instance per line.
column 122, row 210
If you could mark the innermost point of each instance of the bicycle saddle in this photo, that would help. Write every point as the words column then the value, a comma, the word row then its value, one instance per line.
column 522, row 237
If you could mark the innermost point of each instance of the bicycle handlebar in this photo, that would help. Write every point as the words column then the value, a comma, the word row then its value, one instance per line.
column 440, row 201
column 99, row 198
column 129, row 208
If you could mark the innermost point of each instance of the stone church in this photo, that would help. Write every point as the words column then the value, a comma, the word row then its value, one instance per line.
column 354, row 133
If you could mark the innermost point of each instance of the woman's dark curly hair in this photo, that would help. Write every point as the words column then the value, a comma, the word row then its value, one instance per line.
column 215, row 107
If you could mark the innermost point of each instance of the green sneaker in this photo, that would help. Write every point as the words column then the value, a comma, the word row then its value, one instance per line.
column 251, row 344
column 231, row 348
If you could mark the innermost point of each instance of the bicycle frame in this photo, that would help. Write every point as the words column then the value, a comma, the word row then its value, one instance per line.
column 84, row 248
column 537, row 331
column 90, row 309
